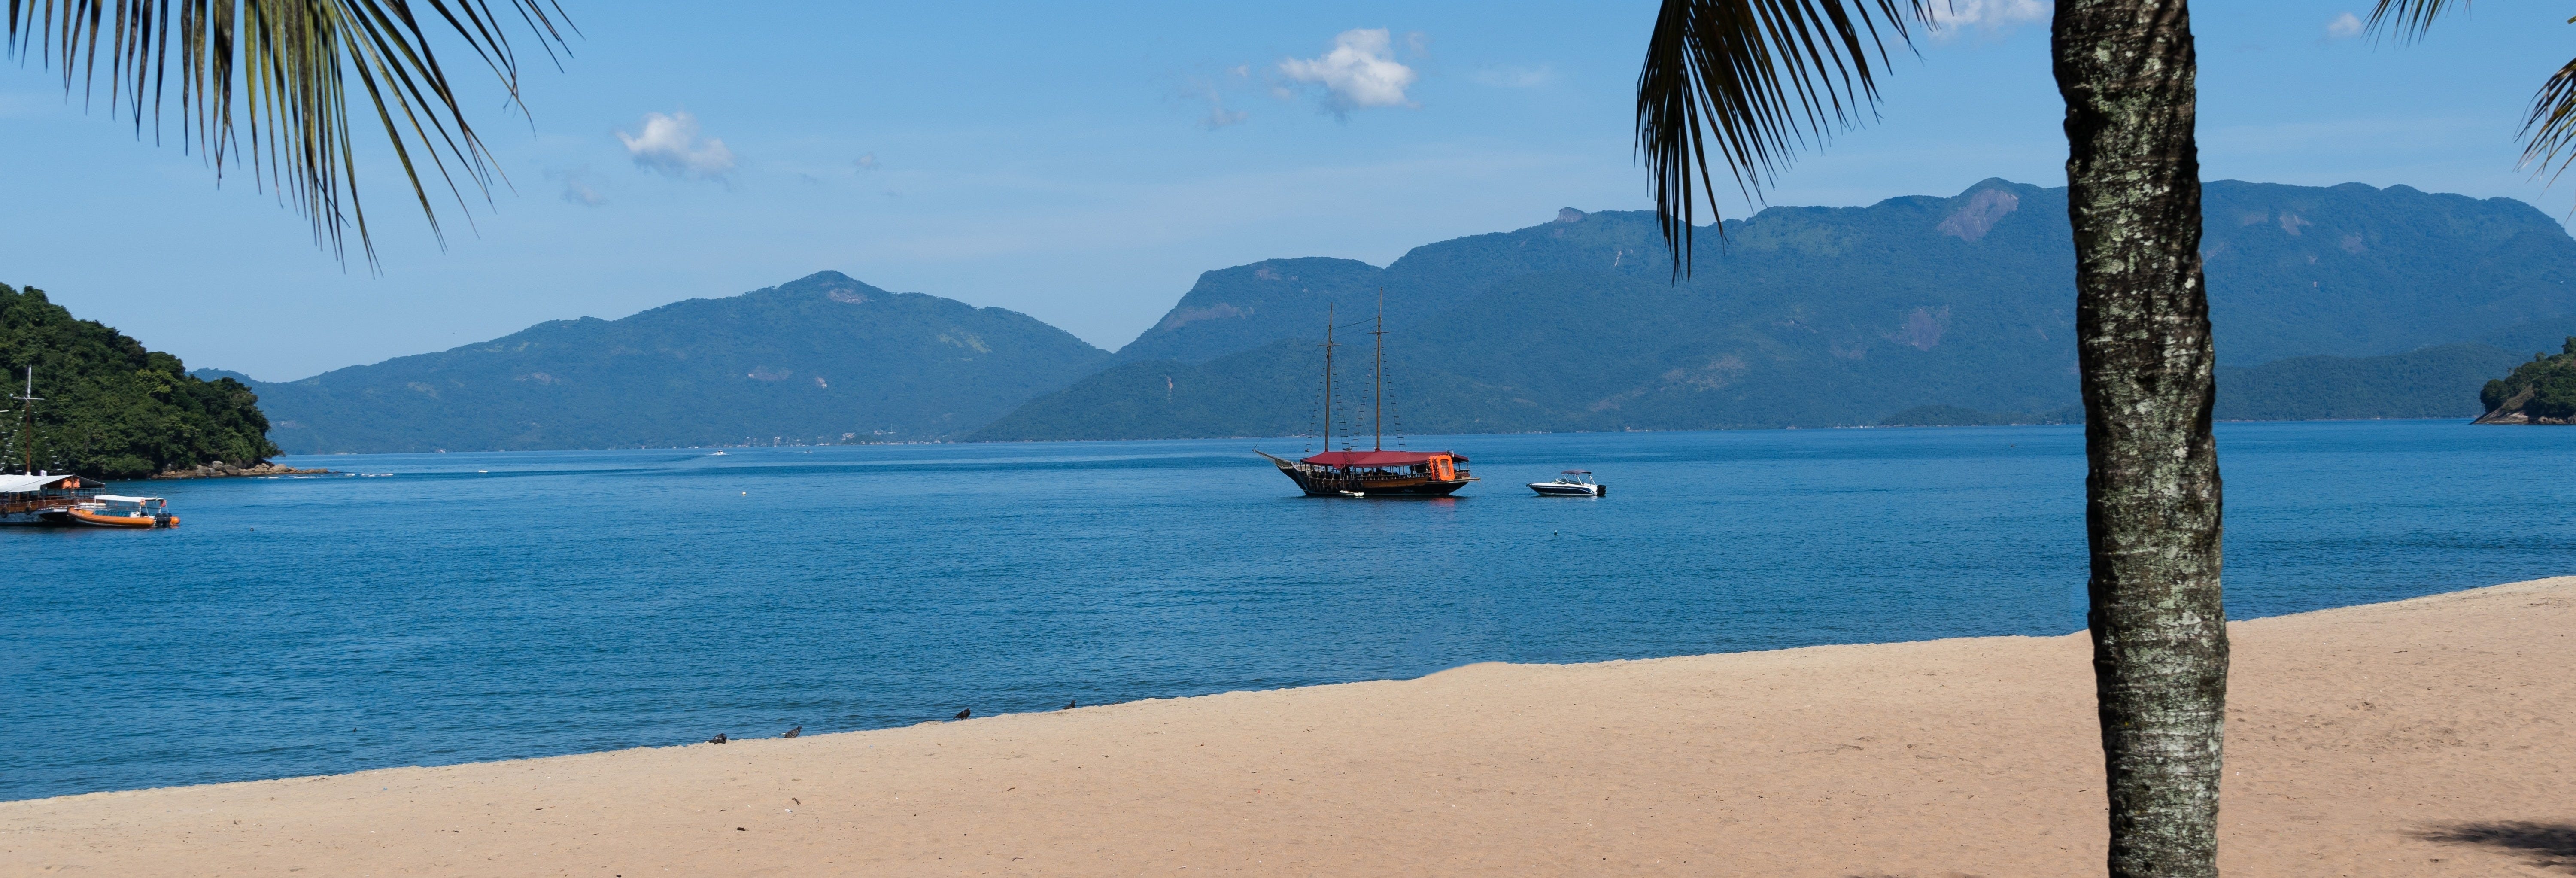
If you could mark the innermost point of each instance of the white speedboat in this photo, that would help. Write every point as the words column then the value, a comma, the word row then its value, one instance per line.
column 1572, row 483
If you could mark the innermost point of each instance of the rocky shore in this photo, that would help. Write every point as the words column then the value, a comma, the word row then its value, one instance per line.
column 222, row 470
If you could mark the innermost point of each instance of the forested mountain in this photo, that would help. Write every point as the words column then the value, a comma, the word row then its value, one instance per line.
column 1810, row 316
column 2346, row 301
column 111, row 408
column 822, row 359
column 2435, row 382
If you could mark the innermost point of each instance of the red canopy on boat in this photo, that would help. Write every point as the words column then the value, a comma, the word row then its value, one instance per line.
column 1377, row 458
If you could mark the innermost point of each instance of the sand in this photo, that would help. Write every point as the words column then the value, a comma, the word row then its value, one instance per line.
column 2419, row 738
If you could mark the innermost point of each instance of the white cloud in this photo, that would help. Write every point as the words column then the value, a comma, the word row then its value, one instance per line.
column 1990, row 15
column 1360, row 71
column 867, row 162
column 2343, row 26
column 670, row 145
column 1515, row 77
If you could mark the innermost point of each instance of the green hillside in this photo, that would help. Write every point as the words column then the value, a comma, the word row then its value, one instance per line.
column 1237, row 309
column 824, row 358
column 2435, row 382
column 2541, row 391
column 111, row 408
column 1833, row 316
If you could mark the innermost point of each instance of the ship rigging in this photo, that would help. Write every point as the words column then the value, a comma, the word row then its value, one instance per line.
column 1376, row 472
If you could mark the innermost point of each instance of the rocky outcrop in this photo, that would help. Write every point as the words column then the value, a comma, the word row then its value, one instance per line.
column 2510, row 411
column 222, row 470
column 2542, row 391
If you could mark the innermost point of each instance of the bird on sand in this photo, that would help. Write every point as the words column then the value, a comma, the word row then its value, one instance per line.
column 965, row 713
column 794, row 731
column 718, row 739
column 1068, row 705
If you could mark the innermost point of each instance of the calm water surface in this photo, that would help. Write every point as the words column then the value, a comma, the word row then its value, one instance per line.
column 464, row 607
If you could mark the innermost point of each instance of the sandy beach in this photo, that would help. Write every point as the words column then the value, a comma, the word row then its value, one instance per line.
column 2420, row 738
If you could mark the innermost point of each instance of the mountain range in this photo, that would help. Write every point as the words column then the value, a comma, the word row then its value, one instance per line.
column 1843, row 316
column 820, row 359
column 2344, row 301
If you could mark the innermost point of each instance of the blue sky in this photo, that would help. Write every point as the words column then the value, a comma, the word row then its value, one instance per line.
column 1084, row 164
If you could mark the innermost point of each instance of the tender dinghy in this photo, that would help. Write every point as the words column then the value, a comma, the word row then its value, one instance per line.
column 1572, row 483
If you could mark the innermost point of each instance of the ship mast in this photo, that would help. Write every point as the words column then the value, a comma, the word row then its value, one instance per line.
column 27, row 431
column 1377, row 398
column 1328, row 377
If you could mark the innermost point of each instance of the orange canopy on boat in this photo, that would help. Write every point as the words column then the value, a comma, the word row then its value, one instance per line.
column 1379, row 458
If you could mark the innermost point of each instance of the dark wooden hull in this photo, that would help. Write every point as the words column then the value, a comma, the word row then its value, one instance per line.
column 1318, row 481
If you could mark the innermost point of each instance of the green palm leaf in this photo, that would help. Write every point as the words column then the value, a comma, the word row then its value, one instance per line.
column 2548, row 127
column 267, row 83
column 1755, row 79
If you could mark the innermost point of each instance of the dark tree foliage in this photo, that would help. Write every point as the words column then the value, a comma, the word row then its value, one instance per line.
column 2544, row 388
column 110, row 408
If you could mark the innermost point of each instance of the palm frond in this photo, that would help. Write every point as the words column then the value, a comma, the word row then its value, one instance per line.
column 1755, row 79
column 2548, row 125
column 2408, row 20
column 266, row 83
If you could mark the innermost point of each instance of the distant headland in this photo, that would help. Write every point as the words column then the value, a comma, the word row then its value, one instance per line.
column 2542, row 391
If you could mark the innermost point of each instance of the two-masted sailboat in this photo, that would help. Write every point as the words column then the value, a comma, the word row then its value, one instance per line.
column 1376, row 472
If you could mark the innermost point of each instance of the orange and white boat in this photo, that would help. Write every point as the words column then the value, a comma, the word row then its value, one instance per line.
column 115, row 510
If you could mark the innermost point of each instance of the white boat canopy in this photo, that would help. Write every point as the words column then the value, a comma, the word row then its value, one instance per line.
column 26, row 484
column 120, row 498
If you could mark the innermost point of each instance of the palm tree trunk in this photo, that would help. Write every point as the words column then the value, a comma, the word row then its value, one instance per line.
column 2159, row 633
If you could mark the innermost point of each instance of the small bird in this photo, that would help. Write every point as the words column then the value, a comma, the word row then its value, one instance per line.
column 793, row 732
column 1068, row 705
column 718, row 739
column 965, row 713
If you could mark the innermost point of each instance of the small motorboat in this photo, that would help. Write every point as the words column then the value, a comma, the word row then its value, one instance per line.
column 1572, row 483
column 113, row 510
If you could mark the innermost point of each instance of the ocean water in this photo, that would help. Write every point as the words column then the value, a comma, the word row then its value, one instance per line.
column 463, row 607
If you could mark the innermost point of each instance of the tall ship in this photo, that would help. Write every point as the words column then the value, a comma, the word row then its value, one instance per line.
column 42, row 498
column 1376, row 472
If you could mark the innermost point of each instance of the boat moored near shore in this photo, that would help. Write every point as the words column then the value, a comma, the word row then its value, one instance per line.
column 42, row 498
column 116, row 510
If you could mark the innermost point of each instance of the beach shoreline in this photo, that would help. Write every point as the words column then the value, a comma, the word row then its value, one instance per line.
column 2417, row 737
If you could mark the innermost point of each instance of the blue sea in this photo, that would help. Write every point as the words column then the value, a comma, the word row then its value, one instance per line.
column 444, row 608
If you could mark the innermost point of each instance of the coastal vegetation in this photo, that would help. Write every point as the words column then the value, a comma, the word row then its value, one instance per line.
column 2542, row 391
column 111, row 408
column 2433, row 382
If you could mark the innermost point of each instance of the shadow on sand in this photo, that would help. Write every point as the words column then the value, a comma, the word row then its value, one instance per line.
column 2548, row 845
